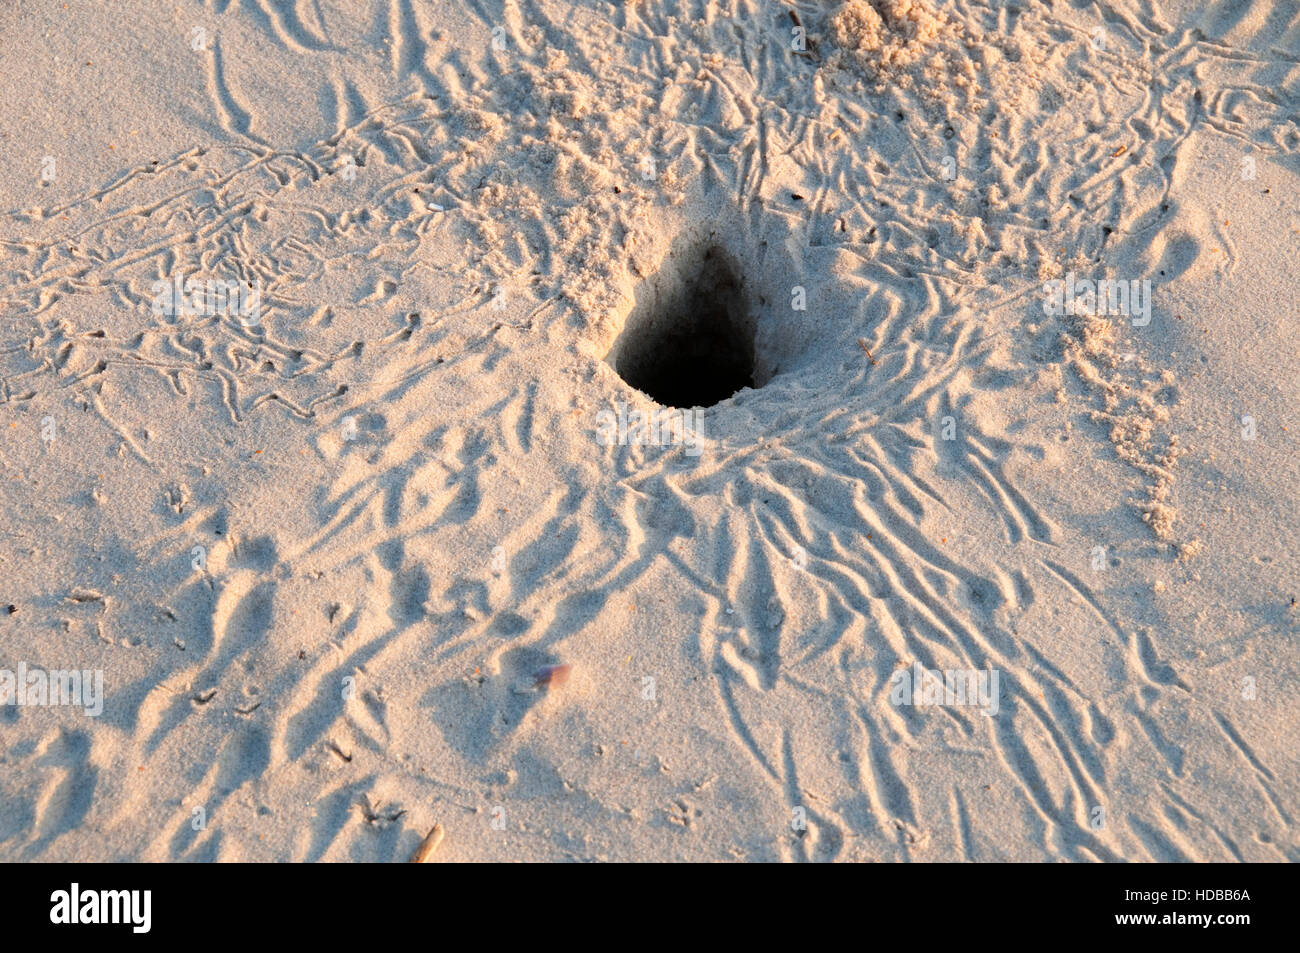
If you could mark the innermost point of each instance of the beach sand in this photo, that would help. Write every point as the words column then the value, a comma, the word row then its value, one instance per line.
column 327, row 542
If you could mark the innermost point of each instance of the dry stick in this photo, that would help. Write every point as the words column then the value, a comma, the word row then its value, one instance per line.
column 863, row 344
column 427, row 846
column 794, row 18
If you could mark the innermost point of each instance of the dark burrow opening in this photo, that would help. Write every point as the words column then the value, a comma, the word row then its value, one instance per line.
column 691, row 343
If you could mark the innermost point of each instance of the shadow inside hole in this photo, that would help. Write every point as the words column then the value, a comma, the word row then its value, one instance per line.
column 692, row 344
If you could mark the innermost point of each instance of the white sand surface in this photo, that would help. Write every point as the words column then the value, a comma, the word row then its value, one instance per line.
column 320, row 556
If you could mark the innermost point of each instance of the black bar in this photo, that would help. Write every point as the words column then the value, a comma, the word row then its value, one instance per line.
column 939, row 903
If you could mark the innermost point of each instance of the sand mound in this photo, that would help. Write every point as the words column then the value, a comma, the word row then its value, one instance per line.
column 906, row 43
column 887, row 34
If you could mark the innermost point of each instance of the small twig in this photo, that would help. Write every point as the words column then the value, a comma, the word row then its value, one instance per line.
column 863, row 344
column 427, row 846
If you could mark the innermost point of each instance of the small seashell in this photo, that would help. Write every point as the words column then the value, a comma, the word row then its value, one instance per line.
column 551, row 675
